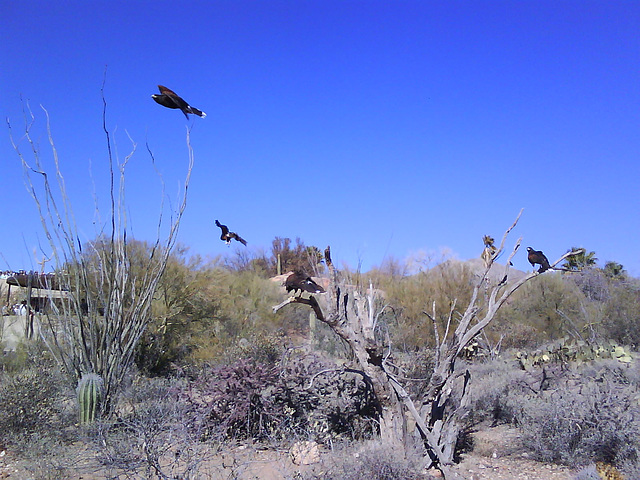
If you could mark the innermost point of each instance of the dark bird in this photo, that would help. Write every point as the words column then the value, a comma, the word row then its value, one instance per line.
column 298, row 281
column 537, row 257
column 227, row 236
column 168, row 98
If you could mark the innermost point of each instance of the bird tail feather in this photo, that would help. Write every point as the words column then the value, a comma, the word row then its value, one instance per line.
column 195, row 111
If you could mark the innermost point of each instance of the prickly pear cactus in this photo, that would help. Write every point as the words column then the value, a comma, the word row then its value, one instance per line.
column 89, row 391
column 569, row 351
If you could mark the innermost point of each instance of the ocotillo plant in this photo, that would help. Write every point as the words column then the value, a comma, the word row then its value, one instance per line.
column 90, row 388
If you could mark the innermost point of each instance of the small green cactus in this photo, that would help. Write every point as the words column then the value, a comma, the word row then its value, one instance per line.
column 89, row 391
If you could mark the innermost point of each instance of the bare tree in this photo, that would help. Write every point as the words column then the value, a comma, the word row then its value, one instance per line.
column 354, row 316
column 95, row 327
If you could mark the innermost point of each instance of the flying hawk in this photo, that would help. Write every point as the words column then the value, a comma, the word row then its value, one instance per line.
column 537, row 257
column 302, row 282
column 226, row 235
column 168, row 98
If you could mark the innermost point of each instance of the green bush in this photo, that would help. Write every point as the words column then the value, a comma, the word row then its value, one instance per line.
column 622, row 313
column 543, row 310
column 410, row 296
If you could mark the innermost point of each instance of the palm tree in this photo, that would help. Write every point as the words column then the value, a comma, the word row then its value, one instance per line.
column 614, row 270
column 581, row 260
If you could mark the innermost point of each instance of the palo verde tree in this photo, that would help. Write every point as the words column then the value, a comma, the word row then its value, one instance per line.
column 96, row 325
column 354, row 315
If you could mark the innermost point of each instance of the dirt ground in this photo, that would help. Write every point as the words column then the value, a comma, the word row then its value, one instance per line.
column 496, row 456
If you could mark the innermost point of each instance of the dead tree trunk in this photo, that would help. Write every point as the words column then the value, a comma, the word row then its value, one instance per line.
column 353, row 316
column 436, row 413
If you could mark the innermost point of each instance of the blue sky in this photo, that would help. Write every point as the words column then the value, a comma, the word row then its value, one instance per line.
column 382, row 128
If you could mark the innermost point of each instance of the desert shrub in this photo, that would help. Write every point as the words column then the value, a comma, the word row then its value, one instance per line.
column 543, row 310
column 33, row 402
column 300, row 397
column 622, row 313
column 410, row 296
column 227, row 399
column 47, row 456
column 264, row 348
column 601, row 470
column 151, row 436
column 325, row 340
column 630, row 468
column 181, row 308
column 593, row 282
column 37, row 409
column 373, row 462
column 496, row 390
column 28, row 354
column 328, row 401
column 570, row 416
column 595, row 418
column 244, row 310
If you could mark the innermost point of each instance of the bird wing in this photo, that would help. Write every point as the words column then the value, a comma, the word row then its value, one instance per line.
column 224, row 228
column 166, row 91
column 238, row 238
column 176, row 99
column 310, row 286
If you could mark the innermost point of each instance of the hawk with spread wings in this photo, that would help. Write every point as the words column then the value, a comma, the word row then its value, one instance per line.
column 169, row 98
column 227, row 236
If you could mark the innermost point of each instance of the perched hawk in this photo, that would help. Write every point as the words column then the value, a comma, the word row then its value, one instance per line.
column 227, row 236
column 537, row 257
column 302, row 282
column 169, row 99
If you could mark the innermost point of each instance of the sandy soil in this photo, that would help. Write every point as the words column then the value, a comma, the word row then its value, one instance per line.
column 496, row 456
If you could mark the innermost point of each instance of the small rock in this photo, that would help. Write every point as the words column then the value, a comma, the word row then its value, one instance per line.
column 305, row 453
column 434, row 472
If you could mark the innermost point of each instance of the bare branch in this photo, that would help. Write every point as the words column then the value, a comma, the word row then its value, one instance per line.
column 436, row 332
column 311, row 301
column 425, row 431
column 506, row 234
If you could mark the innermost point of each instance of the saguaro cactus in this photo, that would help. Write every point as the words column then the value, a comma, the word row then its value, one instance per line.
column 89, row 391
